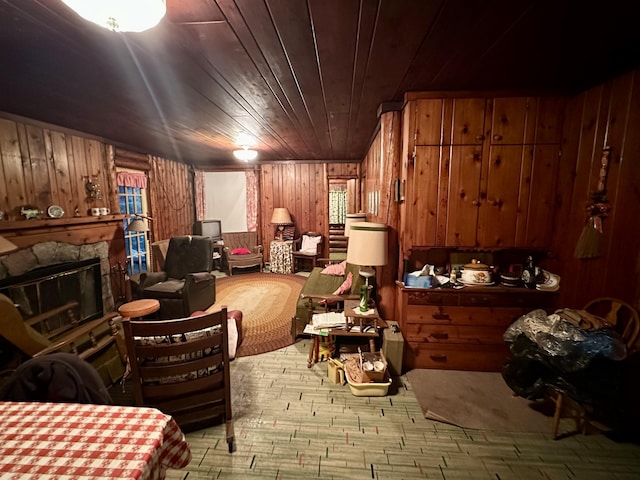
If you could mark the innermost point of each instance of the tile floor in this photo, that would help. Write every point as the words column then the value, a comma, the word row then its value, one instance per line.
column 291, row 422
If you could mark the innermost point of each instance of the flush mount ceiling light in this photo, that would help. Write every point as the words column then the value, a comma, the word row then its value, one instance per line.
column 246, row 154
column 120, row 15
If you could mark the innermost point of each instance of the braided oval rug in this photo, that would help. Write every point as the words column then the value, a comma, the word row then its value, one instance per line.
column 267, row 301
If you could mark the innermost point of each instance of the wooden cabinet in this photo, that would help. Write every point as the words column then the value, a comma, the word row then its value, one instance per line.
column 482, row 171
column 462, row 329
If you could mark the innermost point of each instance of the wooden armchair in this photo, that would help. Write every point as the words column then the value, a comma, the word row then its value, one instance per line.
column 98, row 341
column 308, row 247
column 181, row 367
column 625, row 320
column 241, row 250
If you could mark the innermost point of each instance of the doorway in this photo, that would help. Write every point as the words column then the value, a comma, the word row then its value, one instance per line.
column 343, row 199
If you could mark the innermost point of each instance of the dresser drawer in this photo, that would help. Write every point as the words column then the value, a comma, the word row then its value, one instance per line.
column 454, row 334
column 457, row 357
column 446, row 315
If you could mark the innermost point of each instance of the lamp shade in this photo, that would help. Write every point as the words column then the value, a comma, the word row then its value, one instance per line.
column 281, row 216
column 120, row 15
column 7, row 246
column 353, row 218
column 367, row 244
column 137, row 225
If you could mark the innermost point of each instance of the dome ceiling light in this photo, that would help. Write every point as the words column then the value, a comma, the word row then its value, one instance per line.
column 120, row 15
column 247, row 154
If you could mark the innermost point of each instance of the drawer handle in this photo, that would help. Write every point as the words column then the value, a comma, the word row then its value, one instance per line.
column 439, row 357
column 440, row 335
column 441, row 316
column 497, row 137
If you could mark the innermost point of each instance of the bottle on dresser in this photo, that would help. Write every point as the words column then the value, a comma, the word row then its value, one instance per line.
column 529, row 273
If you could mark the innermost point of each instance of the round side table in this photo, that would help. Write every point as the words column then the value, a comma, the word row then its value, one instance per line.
column 139, row 308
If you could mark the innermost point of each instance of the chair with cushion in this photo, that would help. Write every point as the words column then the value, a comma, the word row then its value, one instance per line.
column 611, row 313
column 181, row 367
column 186, row 284
column 241, row 250
column 308, row 247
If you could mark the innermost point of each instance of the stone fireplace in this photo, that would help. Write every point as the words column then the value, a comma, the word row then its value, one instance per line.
column 38, row 257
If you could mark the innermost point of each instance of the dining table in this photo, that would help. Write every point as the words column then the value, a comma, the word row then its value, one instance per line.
column 63, row 441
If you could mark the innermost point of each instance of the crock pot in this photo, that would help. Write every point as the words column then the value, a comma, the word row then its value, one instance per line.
column 476, row 273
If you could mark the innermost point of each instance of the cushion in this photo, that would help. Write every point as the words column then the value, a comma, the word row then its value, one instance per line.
column 335, row 268
column 240, row 251
column 346, row 285
column 310, row 244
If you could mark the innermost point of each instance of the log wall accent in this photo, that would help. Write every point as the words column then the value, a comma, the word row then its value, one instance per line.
column 608, row 115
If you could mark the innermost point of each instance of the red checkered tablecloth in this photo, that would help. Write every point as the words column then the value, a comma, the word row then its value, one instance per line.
column 67, row 440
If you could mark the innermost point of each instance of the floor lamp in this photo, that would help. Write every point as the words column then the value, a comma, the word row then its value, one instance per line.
column 367, row 248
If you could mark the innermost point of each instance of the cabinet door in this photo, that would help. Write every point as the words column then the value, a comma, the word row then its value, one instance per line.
column 463, row 192
column 500, row 207
column 429, row 121
column 468, row 121
column 424, row 206
column 508, row 120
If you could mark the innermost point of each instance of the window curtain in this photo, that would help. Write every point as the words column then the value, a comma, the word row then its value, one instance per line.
column 337, row 206
column 200, row 194
column 252, row 200
column 132, row 179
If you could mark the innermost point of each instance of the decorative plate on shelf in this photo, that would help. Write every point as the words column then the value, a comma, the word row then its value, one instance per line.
column 476, row 284
column 55, row 211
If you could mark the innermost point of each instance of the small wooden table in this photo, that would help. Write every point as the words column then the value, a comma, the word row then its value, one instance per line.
column 139, row 308
column 353, row 317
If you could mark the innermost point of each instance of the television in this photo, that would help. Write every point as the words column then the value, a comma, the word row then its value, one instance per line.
column 208, row 228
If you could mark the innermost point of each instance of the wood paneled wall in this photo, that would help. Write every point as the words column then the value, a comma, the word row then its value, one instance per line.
column 303, row 189
column 608, row 115
column 43, row 166
column 381, row 168
column 171, row 198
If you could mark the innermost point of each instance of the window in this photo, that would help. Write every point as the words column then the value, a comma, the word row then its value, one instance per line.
column 133, row 200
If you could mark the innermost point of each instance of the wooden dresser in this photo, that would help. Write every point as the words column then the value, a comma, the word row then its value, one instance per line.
column 461, row 329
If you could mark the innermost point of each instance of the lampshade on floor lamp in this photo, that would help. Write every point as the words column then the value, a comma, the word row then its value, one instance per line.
column 352, row 218
column 367, row 248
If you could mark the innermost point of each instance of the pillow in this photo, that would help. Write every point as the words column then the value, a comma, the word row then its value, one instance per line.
column 310, row 244
column 346, row 285
column 240, row 251
column 335, row 268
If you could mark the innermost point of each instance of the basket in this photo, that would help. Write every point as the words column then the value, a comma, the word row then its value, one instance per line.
column 369, row 389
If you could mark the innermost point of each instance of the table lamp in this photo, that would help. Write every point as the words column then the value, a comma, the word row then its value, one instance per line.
column 367, row 248
column 280, row 217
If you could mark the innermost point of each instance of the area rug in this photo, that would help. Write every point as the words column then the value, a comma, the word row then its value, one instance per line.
column 477, row 400
column 267, row 301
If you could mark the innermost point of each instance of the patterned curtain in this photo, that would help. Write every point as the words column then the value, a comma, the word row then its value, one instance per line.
column 131, row 179
column 252, row 200
column 337, row 206
column 200, row 193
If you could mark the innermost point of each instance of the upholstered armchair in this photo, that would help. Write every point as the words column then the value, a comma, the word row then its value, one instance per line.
column 186, row 285
column 241, row 250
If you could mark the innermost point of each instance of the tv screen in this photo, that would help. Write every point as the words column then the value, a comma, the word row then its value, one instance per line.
column 208, row 228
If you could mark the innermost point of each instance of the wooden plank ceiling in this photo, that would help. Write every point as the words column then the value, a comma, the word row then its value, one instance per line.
column 304, row 77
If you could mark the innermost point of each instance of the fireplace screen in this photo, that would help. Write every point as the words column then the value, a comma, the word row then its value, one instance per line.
column 66, row 294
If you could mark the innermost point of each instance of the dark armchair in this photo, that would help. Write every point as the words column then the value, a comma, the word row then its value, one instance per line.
column 186, row 285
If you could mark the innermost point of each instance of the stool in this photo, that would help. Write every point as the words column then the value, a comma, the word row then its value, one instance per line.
column 139, row 308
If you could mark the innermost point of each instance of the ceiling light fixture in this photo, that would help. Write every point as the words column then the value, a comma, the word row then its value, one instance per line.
column 120, row 15
column 246, row 154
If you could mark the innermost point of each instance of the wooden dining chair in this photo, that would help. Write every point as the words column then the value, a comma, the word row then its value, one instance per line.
column 181, row 367
column 625, row 320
